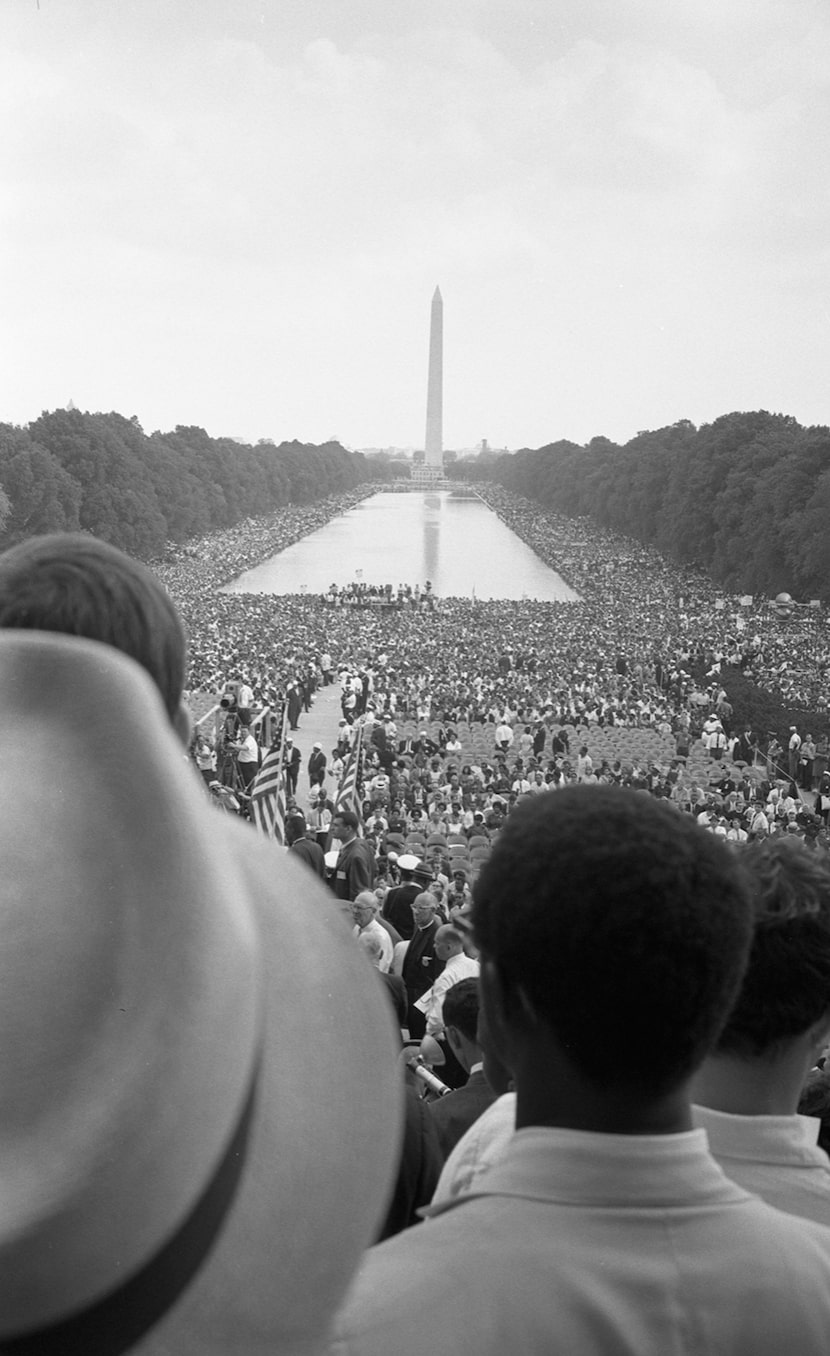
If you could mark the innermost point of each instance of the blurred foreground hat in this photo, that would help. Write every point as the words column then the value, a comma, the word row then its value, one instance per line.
column 191, row 1065
column 409, row 862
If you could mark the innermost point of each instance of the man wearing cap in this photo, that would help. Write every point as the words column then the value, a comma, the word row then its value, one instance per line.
column 316, row 766
column 397, row 906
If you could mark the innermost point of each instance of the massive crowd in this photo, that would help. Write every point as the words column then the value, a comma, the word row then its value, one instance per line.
column 557, row 1159
column 629, row 673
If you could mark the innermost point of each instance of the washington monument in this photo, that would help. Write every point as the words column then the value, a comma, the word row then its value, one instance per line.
column 434, row 444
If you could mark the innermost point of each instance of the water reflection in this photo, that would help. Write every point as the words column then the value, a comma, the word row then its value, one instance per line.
column 455, row 541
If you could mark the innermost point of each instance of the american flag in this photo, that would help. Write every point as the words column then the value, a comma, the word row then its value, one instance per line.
column 350, row 783
column 268, row 790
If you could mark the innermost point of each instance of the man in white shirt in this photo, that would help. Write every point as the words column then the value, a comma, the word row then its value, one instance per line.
column 608, row 1227
column 748, row 1088
column 793, row 752
column 449, row 947
column 503, row 736
column 364, row 913
column 247, row 755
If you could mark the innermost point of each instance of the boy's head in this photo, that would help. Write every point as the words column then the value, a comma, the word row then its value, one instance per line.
column 786, row 987
column 611, row 916
column 78, row 585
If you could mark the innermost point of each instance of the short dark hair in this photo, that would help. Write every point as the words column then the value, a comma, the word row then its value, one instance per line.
column 460, row 1007
column 347, row 818
column 614, row 912
column 73, row 583
column 786, row 988
column 295, row 828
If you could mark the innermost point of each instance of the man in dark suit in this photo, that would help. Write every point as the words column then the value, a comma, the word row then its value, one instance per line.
column 397, row 906
column 455, row 1113
column 292, row 765
column 421, row 966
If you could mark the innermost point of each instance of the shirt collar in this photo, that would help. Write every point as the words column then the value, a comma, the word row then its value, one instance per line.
column 587, row 1169
column 766, row 1139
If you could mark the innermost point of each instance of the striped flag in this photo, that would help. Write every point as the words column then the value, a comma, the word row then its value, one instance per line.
column 268, row 790
column 349, row 788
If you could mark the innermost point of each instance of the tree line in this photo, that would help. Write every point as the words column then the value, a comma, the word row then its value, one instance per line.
column 746, row 498
column 70, row 471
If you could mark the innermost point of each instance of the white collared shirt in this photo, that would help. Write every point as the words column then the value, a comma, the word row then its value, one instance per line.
column 583, row 1244
column 775, row 1157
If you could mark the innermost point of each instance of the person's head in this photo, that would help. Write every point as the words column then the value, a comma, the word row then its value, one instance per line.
column 364, row 907
column 423, row 908
column 372, row 947
column 408, row 863
column 786, row 989
column 460, row 1013
column 448, row 942
column 295, row 828
column 344, row 825
column 74, row 583
column 599, row 911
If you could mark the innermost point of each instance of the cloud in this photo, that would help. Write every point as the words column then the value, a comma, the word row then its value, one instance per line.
column 257, row 194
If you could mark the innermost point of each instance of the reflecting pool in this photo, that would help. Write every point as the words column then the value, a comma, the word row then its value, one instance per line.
column 452, row 539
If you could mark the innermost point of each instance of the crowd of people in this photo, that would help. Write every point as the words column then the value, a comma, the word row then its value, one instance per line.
column 628, row 676
column 604, row 1047
column 359, row 593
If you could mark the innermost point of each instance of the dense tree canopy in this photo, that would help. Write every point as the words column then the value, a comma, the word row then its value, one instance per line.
column 745, row 497
column 70, row 471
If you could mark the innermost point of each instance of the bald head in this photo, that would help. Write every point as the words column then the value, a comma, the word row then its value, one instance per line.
column 423, row 908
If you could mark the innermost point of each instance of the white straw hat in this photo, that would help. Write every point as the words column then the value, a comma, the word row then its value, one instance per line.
column 191, row 1062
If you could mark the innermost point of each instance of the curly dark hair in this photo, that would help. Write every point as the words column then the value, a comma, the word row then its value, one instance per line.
column 786, row 988
column 622, row 921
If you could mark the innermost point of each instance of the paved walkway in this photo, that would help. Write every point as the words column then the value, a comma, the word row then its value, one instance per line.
column 320, row 723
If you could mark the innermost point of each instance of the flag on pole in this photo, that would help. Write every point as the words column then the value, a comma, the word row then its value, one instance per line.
column 268, row 789
column 349, row 788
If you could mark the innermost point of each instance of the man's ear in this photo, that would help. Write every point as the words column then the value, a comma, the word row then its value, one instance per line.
column 183, row 723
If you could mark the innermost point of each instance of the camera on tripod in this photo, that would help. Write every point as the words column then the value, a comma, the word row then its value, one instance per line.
column 230, row 697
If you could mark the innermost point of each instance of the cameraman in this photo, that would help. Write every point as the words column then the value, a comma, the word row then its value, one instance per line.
column 247, row 755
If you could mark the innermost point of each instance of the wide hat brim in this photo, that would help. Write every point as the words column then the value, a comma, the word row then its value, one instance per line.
column 199, row 1109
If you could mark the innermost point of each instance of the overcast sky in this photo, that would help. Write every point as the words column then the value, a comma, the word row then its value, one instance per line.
column 234, row 214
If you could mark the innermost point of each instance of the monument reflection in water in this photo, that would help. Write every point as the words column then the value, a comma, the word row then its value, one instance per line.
column 453, row 540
